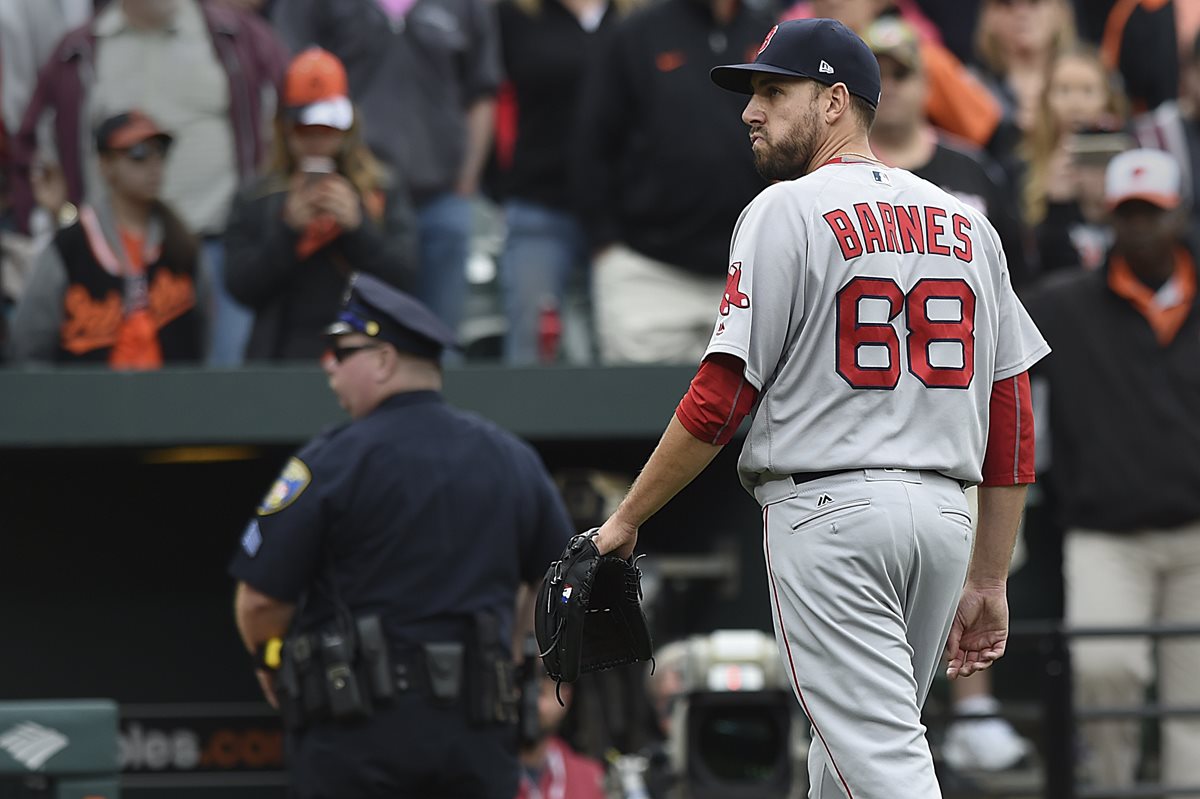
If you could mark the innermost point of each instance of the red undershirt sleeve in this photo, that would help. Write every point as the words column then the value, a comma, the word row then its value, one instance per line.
column 718, row 400
column 1009, row 456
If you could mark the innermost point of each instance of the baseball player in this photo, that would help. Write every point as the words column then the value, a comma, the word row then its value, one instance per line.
column 869, row 326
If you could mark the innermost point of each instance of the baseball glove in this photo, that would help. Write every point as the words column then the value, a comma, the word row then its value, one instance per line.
column 589, row 614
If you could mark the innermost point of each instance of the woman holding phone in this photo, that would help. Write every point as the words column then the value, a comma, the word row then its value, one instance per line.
column 324, row 209
column 1082, row 112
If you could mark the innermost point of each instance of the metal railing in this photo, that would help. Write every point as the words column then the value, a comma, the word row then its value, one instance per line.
column 1060, row 718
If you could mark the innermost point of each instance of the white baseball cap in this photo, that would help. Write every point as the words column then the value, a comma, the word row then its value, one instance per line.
column 1149, row 175
column 336, row 112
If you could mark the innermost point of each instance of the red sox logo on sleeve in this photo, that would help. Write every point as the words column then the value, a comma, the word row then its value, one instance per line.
column 734, row 296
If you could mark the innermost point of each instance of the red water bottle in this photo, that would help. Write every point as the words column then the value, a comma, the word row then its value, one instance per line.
column 549, row 331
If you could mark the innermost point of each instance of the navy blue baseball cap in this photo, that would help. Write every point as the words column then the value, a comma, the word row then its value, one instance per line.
column 823, row 50
column 379, row 310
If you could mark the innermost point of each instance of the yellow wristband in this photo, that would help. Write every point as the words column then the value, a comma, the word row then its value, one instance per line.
column 271, row 654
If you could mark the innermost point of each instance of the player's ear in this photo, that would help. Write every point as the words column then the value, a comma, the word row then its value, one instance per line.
column 836, row 102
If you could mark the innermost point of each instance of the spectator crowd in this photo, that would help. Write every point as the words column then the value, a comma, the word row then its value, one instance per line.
column 195, row 181
column 314, row 138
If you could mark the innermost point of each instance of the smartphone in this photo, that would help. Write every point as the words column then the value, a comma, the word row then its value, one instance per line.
column 1098, row 147
column 314, row 166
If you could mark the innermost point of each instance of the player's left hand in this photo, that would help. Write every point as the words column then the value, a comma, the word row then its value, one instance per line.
column 980, row 630
column 616, row 537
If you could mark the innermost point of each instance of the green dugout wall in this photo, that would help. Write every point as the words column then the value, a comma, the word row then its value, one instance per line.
column 43, row 409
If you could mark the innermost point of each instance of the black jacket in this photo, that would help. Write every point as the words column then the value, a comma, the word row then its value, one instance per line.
column 294, row 300
column 1124, row 410
column 664, row 163
column 545, row 57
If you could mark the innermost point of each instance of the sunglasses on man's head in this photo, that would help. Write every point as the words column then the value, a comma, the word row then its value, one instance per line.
column 895, row 72
column 341, row 352
column 145, row 150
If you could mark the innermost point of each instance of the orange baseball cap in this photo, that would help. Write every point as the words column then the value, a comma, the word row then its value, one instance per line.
column 316, row 91
column 124, row 130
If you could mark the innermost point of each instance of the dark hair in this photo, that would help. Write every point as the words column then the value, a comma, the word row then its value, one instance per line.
column 863, row 111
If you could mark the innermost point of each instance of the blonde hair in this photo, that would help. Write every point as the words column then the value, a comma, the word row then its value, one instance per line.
column 354, row 160
column 1047, row 135
column 987, row 43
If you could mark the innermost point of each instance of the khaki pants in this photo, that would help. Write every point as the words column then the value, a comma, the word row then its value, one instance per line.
column 1136, row 578
column 647, row 311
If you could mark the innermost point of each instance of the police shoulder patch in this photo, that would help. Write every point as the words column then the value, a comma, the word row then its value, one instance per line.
column 252, row 538
column 290, row 485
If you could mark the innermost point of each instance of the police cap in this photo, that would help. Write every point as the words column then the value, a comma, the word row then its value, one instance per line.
column 376, row 309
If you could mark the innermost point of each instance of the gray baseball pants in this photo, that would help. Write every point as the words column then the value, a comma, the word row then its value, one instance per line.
column 865, row 569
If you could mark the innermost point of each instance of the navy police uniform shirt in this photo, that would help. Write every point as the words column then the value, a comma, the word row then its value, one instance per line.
column 420, row 512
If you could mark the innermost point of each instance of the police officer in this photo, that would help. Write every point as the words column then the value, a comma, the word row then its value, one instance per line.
column 380, row 574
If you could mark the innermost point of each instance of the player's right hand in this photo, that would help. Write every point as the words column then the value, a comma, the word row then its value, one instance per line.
column 616, row 537
column 980, row 631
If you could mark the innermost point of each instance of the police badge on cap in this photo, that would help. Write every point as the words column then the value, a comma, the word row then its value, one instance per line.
column 379, row 310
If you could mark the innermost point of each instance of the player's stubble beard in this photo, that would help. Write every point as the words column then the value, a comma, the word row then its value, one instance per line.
column 788, row 157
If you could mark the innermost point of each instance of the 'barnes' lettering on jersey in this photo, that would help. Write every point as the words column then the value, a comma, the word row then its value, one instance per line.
column 882, row 360
column 883, row 227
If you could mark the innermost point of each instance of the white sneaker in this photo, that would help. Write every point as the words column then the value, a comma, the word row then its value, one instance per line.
column 983, row 744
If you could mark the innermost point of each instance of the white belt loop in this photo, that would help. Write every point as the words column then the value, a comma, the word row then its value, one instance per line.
column 774, row 490
column 899, row 475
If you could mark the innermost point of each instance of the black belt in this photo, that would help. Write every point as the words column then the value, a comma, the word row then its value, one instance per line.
column 408, row 666
column 416, row 670
column 808, row 477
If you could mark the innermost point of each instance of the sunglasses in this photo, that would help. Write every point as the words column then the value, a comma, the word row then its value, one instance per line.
column 895, row 72
column 145, row 150
column 341, row 352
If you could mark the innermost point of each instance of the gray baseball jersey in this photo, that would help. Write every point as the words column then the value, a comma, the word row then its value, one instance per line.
column 874, row 312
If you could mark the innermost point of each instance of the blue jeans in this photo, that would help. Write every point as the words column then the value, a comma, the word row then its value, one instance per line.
column 229, row 321
column 543, row 248
column 444, row 227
